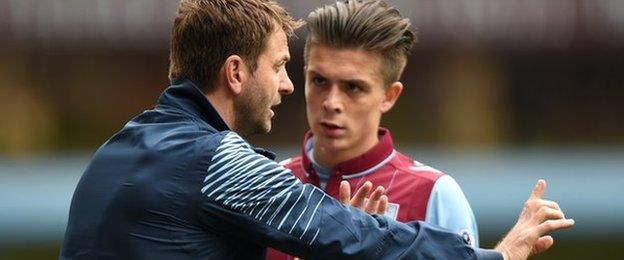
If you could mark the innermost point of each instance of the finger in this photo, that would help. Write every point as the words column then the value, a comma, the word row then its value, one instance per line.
column 383, row 205
column 376, row 195
column 551, row 204
column 554, row 225
column 371, row 206
column 373, row 201
column 546, row 213
column 344, row 192
column 542, row 244
column 360, row 195
column 538, row 191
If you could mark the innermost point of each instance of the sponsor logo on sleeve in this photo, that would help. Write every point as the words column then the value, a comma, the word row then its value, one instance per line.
column 392, row 210
column 467, row 237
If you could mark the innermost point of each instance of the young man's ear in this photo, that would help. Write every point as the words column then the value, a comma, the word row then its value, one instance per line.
column 392, row 94
column 235, row 73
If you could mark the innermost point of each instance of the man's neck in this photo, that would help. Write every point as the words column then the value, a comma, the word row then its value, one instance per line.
column 224, row 106
column 329, row 158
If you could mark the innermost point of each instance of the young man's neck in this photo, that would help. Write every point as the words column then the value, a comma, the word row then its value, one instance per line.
column 327, row 157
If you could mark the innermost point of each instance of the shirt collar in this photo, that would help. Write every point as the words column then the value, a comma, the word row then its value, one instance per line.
column 373, row 157
column 185, row 95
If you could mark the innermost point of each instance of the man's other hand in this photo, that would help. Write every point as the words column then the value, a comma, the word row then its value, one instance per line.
column 376, row 203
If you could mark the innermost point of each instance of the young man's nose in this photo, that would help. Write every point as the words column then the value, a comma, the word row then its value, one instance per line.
column 333, row 102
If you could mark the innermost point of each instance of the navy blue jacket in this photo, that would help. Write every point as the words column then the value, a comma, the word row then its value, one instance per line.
column 176, row 183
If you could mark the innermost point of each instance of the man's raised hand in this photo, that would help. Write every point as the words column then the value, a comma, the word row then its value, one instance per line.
column 376, row 203
column 529, row 236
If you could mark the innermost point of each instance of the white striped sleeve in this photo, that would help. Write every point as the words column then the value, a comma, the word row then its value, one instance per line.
column 242, row 180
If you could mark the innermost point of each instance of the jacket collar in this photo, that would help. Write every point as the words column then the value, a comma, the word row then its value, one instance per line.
column 363, row 164
column 185, row 95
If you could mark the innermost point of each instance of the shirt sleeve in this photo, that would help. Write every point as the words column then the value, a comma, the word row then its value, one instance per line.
column 449, row 208
column 258, row 200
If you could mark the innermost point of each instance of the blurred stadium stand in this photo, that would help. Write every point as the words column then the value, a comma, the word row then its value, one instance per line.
column 505, row 23
column 498, row 94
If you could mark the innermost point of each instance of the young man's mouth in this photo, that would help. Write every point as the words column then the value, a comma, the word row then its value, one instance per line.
column 331, row 129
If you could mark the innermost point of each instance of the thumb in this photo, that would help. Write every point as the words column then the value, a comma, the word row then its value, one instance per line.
column 542, row 244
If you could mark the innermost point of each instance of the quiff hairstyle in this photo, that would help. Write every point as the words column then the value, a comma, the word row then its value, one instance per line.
column 368, row 25
column 206, row 32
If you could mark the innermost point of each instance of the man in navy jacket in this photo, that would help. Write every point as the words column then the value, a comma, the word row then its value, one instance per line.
column 180, row 182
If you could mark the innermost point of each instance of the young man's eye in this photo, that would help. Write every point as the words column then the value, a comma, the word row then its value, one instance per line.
column 353, row 88
column 318, row 81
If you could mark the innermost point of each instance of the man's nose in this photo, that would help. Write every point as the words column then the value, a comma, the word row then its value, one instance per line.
column 286, row 86
column 333, row 102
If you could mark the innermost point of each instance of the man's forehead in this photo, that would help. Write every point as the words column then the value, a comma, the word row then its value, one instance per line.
column 343, row 64
column 277, row 45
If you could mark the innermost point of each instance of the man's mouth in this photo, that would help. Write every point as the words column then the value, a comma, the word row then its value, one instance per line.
column 330, row 125
column 331, row 130
column 273, row 107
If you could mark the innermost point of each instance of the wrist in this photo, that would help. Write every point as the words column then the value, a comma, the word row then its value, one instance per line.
column 488, row 254
column 502, row 251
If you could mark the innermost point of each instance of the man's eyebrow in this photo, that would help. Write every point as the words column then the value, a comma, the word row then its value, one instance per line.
column 354, row 81
column 315, row 73
column 285, row 58
column 358, row 82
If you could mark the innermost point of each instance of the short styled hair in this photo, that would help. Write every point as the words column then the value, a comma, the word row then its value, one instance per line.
column 363, row 24
column 206, row 32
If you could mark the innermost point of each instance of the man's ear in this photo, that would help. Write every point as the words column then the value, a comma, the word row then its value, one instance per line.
column 391, row 96
column 235, row 73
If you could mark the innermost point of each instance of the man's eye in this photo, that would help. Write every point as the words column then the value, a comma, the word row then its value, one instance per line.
column 318, row 81
column 353, row 88
column 278, row 67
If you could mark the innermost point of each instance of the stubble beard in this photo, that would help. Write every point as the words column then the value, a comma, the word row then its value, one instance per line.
column 251, row 112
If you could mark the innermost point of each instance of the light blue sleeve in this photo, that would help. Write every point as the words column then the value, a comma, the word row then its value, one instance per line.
column 449, row 208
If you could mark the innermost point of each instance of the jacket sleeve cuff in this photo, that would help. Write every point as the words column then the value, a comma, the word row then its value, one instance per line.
column 488, row 254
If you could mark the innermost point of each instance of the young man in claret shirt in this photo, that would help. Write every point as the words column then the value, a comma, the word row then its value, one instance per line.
column 355, row 53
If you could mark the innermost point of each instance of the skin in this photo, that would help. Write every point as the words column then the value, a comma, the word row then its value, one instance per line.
column 345, row 97
column 377, row 202
column 245, row 98
column 539, row 217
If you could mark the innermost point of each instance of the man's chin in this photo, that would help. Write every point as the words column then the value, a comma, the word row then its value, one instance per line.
column 262, row 129
column 248, row 130
column 332, row 143
column 267, row 126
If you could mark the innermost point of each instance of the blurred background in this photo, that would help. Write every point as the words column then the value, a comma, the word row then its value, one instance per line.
column 498, row 94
